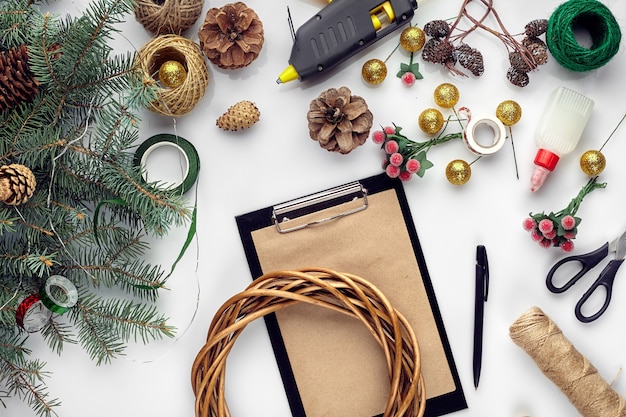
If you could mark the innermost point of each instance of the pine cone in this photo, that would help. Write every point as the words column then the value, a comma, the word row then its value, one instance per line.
column 537, row 49
column 437, row 28
column 17, row 184
column 517, row 61
column 17, row 82
column 232, row 36
column 520, row 79
column 339, row 121
column 239, row 116
column 470, row 59
column 437, row 50
column 536, row 27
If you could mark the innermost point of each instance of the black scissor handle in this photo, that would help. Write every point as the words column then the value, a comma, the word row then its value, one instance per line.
column 606, row 279
column 587, row 261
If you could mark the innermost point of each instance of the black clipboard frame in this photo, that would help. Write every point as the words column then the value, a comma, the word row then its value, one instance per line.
column 247, row 223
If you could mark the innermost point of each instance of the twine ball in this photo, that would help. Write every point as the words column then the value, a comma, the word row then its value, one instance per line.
column 163, row 17
column 183, row 98
column 597, row 20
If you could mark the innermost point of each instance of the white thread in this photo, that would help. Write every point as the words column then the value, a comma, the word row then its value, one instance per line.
column 494, row 124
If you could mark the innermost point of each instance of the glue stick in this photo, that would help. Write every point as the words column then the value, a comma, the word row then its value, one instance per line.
column 559, row 130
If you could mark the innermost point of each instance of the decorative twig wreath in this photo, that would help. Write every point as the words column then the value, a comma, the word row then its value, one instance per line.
column 342, row 292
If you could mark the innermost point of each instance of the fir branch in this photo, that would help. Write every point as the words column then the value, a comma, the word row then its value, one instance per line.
column 57, row 334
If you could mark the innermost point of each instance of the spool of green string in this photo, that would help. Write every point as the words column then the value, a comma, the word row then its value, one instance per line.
column 597, row 20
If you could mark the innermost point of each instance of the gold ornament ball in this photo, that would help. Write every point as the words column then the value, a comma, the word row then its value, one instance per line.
column 374, row 71
column 430, row 121
column 412, row 39
column 458, row 172
column 446, row 95
column 509, row 112
column 592, row 163
column 172, row 74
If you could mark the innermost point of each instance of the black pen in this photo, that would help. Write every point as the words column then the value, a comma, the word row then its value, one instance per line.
column 482, row 289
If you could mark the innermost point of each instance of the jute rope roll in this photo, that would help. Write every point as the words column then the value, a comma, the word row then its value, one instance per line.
column 345, row 293
column 182, row 99
column 559, row 360
column 168, row 16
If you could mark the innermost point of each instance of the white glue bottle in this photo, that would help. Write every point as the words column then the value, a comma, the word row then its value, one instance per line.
column 559, row 130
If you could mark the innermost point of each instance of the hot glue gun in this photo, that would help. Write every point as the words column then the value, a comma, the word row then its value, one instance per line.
column 340, row 30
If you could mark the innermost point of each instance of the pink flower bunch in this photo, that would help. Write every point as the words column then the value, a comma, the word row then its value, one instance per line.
column 560, row 228
column 403, row 156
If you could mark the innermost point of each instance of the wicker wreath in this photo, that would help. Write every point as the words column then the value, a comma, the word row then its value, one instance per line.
column 168, row 16
column 182, row 99
column 342, row 292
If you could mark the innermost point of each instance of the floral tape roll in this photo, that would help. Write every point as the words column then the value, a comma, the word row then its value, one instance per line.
column 469, row 134
column 49, row 294
column 192, row 160
column 31, row 314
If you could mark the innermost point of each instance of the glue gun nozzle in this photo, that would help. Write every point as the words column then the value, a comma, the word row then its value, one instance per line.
column 289, row 74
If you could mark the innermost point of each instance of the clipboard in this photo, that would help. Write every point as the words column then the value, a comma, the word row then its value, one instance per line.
column 329, row 363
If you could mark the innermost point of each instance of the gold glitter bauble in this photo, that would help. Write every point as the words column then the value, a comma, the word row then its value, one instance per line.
column 412, row 39
column 172, row 74
column 430, row 121
column 446, row 95
column 458, row 172
column 509, row 112
column 374, row 71
column 592, row 163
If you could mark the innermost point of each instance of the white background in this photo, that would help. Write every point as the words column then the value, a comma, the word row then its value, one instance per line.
column 275, row 161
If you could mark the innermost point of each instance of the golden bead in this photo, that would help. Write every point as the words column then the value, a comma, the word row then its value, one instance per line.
column 172, row 74
column 509, row 112
column 446, row 95
column 458, row 172
column 592, row 163
column 430, row 121
column 374, row 71
column 412, row 39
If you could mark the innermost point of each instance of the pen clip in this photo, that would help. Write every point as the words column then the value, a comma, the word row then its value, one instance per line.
column 483, row 263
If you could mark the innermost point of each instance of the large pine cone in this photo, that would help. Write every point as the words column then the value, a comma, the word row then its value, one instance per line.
column 339, row 121
column 17, row 82
column 232, row 36
column 17, row 184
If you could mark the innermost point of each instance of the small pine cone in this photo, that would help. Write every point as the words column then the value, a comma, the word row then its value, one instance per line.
column 437, row 28
column 517, row 61
column 536, row 27
column 17, row 184
column 537, row 49
column 437, row 50
column 520, row 79
column 470, row 59
column 17, row 82
column 239, row 116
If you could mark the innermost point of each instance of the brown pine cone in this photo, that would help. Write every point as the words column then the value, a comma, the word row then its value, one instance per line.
column 517, row 61
column 17, row 82
column 537, row 49
column 518, row 78
column 437, row 28
column 470, row 59
column 437, row 50
column 17, row 184
column 536, row 27
column 232, row 36
column 339, row 121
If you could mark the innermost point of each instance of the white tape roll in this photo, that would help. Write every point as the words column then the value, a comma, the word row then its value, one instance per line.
column 496, row 126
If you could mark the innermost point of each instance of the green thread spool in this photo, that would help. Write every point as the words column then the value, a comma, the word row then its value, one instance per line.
column 595, row 18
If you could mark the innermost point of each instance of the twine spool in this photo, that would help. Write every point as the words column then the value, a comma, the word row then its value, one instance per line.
column 595, row 18
column 559, row 360
column 168, row 16
column 345, row 293
column 182, row 99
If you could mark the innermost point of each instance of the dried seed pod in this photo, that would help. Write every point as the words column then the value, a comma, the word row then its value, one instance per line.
column 437, row 28
column 537, row 49
column 437, row 50
column 517, row 61
column 240, row 115
column 536, row 27
column 520, row 79
column 470, row 59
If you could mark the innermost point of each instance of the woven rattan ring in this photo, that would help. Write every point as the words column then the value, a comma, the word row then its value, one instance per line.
column 183, row 98
column 162, row 17
column 342, row 292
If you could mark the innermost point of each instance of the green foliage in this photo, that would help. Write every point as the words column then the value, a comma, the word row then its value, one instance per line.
column 77, row 136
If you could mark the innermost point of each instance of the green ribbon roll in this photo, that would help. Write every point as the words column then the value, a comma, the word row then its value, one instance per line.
column 49, row 297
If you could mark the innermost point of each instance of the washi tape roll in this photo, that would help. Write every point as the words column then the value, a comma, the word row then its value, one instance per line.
column 31, row 314
column 58, row 294
column 470, row 133
column 192, row 160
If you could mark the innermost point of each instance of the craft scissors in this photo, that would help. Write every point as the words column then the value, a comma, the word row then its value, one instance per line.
column 587, row 262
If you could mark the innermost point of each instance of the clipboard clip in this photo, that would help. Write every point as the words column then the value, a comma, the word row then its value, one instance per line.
column 352, row 193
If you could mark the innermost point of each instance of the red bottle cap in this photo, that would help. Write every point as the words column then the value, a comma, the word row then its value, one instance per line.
column 546, row 159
